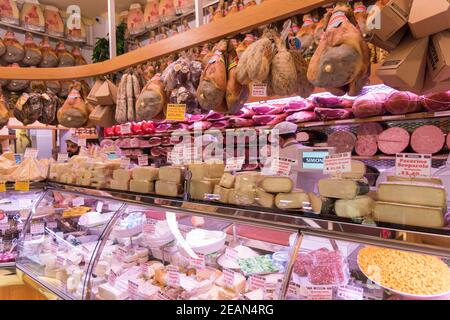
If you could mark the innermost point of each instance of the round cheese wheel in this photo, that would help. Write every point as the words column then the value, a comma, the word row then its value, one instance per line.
column 427, row 139
column 393, row 140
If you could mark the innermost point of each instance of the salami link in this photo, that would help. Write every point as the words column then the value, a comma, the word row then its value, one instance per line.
column 343, row 141
column 403, row 102
column 369, row 129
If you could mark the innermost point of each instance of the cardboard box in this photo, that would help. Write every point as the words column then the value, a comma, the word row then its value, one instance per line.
column 103, row 116
column 438, row 59
column 392, row 42
column 91, row 97
column 429, row 17
column 388, row 20
column 405, row 67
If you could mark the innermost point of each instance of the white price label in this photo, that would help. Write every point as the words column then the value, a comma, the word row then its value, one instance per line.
column 413, row 165
column 256, row 282
column 54, row 247
column 125, row 128
column 82, row 142
column 30, row 153
column 112, row 278
column 63, row 157
column 143, row 160
column 52, row 225
column 230, row 253
column 99, row 207
column 319, row 293
column 133, row 290
column 60, row 261
column 269, row 290
column 350, row 293
column 442, row 113
column 163, row 296
column 197, row 263
column 125, row 163
column 234, row 164
column 78, row 202
column 4, row 226
column 259, row 90
column 228, row 277
column 281, row 167
column 337, row 163
column 149, row 226
column 144, row 268
column 37, row 228
column 173, row 276
column 121, row 253
column 294, row 289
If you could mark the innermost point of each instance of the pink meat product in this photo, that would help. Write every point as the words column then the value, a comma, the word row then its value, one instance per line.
column 196, row 117
column 144, row 144
column 369, row 129
column 245, row 113
column 154, row 141
column 155, row 152
column 127, row 152
column 240, row 122
column 202, row 125
column 106, row 143
column 215, row 116
column 250, row 167
column 327, row 267
column 325, row 114
column 262, row 109
column 165, row 141
column 118, row 143
column 299, row 105
column 162, row 127
column 366, row 146
column 220, row 124
column 427, row 140
column 369, row 105
column 436, row 102
column 275, row 110
column 393, row 140
column 303, row 260
column 332, row 102
column 302, row 116
column 263, row 120
column 136, row 152
column 343, row 141
column 179, row 126
column 126, row 143
column 134, row 143
column 402, row 102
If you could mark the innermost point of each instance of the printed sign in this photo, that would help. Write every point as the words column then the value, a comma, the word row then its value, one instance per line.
column 99, row 207
column 121, row 253
column 197, row 263
column 319, row 293
column 30, row 153
column 63, row 157
column 338, row 163
column 228, row 277
column 37, row 228
column 149, row 226
column 112, row 278
column 144, row 268
column 294, row 289
column 413, row 165
column 281, row 167
column 143, row 160
column 173, row 276
column 259, row 90
column 52, row 225
column 60, row 261
column 256, row 282
column 234, row 164
column 163, row 296
column 176, row 112
column 230, row 253
column 125, row 128
column 350, row 293
column 125, row 163
column 133, row 290
column 17, row 158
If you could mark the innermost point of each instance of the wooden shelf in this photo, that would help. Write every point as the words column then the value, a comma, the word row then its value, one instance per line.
column 43, row 34
column 267, row 12
column 384, row 157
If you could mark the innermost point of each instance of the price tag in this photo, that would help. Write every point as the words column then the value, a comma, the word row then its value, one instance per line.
column 228, row 277
column 211, row 197
column 173, row 276
column 60, row 261
column 144, row 268
column 319, row 293
column 413, row 165
column 234, row 164
column 163, row 296
column 63, row 157
column 37, row 228
column 259, row 90
column 4, row 226
column 442, row 114
column 2, row 187
column 294, row 289
column 281, row 167
column 230, row 253
column 54, row 247
column 78, row 202
column 125, row 163
column 143, row 160
column 197, row 263
column 149, row 226
column 256, row 282
column 133, row 290
column 99, row 207
column 121, row 253
column 269, row 290
column 22, row 186
column 82, row 142
column 30, row 153
column 125, row 128
column 338, row 163
column 350, row 293
column 176, row 112
column 52, row 225
column 112, row 278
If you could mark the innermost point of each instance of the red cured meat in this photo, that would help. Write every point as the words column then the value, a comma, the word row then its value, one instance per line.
column 196, row 117
column 402, row 102
column 220, row 124
column 244, row 113
column 154, row 141
column 393, row 140
column 343, row 141
column 333, row 102
column 369, row 129
column 215, row 116
column 162, row 127
column 202, row 125
column 366, row 146
column 241, row 122
column 436, row 101
column 427, row 139
column 369, row 105
column 299, row 105
column 303, row 260
column 179, row 126
column 302, row 116
column 333, row 114
column 268, row 119
column 165, row 141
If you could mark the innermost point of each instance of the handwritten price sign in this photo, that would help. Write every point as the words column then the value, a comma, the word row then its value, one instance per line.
column 338, row 163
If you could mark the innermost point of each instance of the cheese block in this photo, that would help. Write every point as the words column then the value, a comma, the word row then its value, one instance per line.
column 412, row 215
column 171, row 174
column 166, row 188
column 142, row 186
column 223, row 193
column 108, row 292
column 264, row 199
column 238, row 286
column 213, row 181
column 145, row 173
column 415, row 193
column 200, row 171
column 359, row 207
column 120, row 185
column 418, row 179
column 342, row 188
column 277, row 184
column 227, row 180
column 242, row 197
column 358, row 171
column 293, row 200
column 321, row 205
column 198, row 189
column 247, row 181
column 122, row 175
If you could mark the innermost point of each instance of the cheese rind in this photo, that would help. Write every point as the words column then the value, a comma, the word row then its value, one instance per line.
column 264, row 199
column 420, row 216
column 198, row 189
column 418, row 179
column 416, row 193
column 247, row 181
column 120, row 185
column 293, row 200
column 277, row 184
column 321, row 205
column 358, row 171
column 342, row 188
column 122, row 174
column 142, row 186
column 167, row 188
column 145, row 173
column 242, row 197
column 227, row 180
column 171, row 174
column 359, row 207
column 200, row 171
column 222, row 192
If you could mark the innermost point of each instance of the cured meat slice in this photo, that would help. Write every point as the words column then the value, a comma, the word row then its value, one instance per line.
column 299, row 105
column 343, row 141
column 202, row 125
column 366, row 146
column 332, row 102
column 436, row 101
column 263, row 120
column 402, row 102
column 369, row 129
column 369, row 105
column 302, row 116
column 245, row 113
column 427, row 139
column 240, row 122
column 393, row 140
column 333, row 114
column 154, row 141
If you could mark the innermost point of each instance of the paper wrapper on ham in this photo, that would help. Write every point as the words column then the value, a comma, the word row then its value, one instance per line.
column 343, row 141
column 33, row 55
column 333, row 114
column 151, row 101
column 263, row 120
column 302, row 116
column 74, row 113
column 332, row 102
column 369, row 105
column 393, row 140
column 369, row 129
column 166, row 10
column 436, row 102
column 427, row 140
column 54, row 24
column 135, row 19
column 403, row 102
column 366, row 146
column 32, row 17
column 151, row 14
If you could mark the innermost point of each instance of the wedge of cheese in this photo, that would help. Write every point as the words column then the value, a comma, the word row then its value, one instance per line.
column 358, row 171
column 412, row 215
column 145, row 173
column 342, row 188
column 321, row 205
column 200, row 171
column 123, row 185
column 242, row 197
column 415, row 193
column 293, row 200
column 227, row 180
column 122, row 174
column 277, row 184
column 264, row 199
column 418, row 179
column 108, row 292
column 198, row 189
column 247, row 181
column 166, row 188
column 142, row 186
column 359, row 207
column 223, row 193
column 171, row 174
